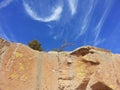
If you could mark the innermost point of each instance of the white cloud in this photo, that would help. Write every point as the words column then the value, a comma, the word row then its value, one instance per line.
column 7, row 35
column 53, row 17
column 87, row 18
column 58, row 35
column 4, row 3
column 3, row 34
column 55, row 37
column 108, row 6
column 73, row 6
column 97, row 42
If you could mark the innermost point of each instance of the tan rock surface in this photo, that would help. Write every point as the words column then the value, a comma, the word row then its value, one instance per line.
column 86, row 68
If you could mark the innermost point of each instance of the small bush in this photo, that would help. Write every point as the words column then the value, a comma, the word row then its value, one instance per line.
column 36, row 45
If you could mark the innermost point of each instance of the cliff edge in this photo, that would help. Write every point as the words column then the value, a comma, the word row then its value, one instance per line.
column 86, row 68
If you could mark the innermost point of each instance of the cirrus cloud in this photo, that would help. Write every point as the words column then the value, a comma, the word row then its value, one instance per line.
column 53, row 17
column 73, row 6
column 98, row 28
column 4, row 3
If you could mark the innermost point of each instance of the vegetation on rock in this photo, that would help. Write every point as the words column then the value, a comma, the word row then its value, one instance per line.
column 36, row 45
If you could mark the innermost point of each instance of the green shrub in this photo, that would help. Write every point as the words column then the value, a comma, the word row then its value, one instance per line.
column 36, row 45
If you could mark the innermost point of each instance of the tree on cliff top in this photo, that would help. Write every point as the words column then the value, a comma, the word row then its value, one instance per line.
column 36, row 45
column 65, row 44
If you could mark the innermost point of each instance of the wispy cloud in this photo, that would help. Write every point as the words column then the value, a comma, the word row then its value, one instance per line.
column 3, row 34
column 4, row 3
column 108, row 5
column 6, row 34
column 73, row 6
column 55, row 15
column 86, row 19
column 99, row 41
column 59, row 35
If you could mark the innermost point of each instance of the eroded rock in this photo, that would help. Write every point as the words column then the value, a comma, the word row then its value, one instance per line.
column 86, row 68
column 100, row 86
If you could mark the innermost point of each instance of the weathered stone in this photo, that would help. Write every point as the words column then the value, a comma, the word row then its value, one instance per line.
column 100, row 86
column 86, row 68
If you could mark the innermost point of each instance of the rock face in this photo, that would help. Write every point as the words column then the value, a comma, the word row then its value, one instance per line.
column 86, row 68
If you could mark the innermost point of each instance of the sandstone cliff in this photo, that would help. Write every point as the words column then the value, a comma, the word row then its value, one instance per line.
column 86, row 68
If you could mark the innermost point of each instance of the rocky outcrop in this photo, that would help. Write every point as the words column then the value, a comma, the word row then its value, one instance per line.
column 86, row 68
column 3, row 48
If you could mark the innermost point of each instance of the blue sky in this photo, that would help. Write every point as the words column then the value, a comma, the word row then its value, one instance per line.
column 82, row 22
